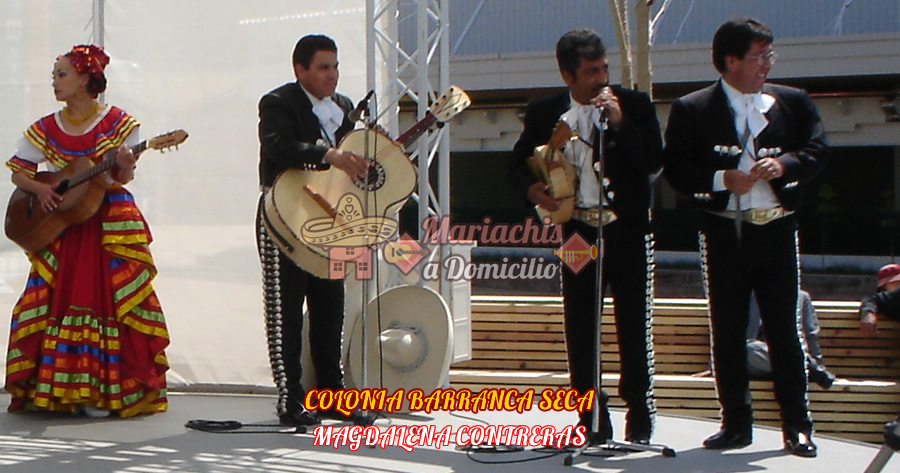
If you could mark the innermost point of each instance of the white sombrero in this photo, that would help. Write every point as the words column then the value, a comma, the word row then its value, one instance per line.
column 409, row 345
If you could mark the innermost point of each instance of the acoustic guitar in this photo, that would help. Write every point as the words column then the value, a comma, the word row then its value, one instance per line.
column 550, row 166
column 82, row 186
column 300, row 197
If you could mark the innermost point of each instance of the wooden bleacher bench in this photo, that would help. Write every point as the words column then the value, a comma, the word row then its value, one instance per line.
column 519, row 342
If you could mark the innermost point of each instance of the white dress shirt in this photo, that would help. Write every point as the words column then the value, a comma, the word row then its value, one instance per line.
column 748, row 109
column 582, row 119
column 330, row 116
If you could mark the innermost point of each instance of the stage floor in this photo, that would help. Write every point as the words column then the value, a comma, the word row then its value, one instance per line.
column 43, row 443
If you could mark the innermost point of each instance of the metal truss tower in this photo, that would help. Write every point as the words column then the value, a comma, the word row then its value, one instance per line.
column 416, row 69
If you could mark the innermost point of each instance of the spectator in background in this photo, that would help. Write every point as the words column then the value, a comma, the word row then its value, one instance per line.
column 758, row 351
column 885, row 302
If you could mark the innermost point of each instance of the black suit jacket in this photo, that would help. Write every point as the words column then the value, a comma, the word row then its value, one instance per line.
column 289, row 131
column 633, row 151
column 702, row 121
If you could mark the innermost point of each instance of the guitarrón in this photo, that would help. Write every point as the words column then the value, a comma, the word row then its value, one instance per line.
column 299, row 196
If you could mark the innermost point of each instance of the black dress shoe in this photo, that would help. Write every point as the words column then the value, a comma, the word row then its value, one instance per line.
column 596, row 438
column 727, row 439
column 356, row 417
column 299, row 418
column 800, row 444
column 641, row 438
column 821, row 376
column 638, row 425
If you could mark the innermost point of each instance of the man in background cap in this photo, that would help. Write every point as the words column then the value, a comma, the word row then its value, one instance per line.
column 885, row 302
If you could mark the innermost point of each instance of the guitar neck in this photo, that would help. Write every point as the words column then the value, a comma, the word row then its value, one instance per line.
column 104, row 165
column 417, row 130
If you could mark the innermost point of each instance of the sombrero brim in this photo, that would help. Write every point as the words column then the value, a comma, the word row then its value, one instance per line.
column 420, row 313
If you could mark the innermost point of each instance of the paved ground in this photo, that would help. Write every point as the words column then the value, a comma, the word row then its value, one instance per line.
column 42, row 443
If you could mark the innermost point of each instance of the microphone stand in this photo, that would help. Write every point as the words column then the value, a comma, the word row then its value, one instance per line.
column 369, row 119
column 609, row 444
column 890, row 447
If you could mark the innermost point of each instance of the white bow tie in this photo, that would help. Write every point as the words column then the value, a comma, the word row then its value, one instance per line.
column 582, row 118
column 755, row 106
column 327, row 110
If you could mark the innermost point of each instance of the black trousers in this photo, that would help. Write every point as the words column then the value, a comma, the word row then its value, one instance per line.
column 285, row 287
column 766, row 261
column 627, row 272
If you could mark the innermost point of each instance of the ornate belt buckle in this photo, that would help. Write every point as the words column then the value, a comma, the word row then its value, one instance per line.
column 764, row 216
column 594, row 217
column 590, row 216
column 609, row 216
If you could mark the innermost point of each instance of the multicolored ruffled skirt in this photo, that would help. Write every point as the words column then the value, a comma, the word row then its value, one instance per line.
column 89, row 330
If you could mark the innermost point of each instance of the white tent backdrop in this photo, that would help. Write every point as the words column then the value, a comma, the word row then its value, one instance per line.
column 199, row 65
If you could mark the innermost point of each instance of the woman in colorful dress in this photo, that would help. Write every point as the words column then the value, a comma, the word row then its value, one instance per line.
column 88, row 334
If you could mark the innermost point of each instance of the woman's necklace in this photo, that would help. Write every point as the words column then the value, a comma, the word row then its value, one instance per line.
column 79, row 120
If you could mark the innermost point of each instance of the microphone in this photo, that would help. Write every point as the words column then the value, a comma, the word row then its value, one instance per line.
column 602, row 118
column 361, row 107
column 607, row 90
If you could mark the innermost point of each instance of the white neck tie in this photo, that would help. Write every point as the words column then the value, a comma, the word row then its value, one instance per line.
column 330, row 116
column 584, row 126
column 756, row 120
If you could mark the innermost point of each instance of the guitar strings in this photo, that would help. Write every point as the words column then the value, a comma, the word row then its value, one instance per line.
column 378, row 267
column 369, row 196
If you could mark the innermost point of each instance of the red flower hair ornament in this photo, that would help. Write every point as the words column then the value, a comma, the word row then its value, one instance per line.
column 88, row 58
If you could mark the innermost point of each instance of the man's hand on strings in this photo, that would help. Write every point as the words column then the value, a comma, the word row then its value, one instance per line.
column 354, row 165
column 537, row 193
column 126, row 162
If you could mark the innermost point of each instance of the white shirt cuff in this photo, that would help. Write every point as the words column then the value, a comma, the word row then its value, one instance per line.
column 718, row 183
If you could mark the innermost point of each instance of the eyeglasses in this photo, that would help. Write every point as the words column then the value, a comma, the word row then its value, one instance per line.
column 763, row 59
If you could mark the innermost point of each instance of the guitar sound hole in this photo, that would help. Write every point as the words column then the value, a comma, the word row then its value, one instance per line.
column 375, row 178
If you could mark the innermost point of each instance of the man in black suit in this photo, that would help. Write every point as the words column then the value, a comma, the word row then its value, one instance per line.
column 632, row 155
column 300, row 124
column 744, row 151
